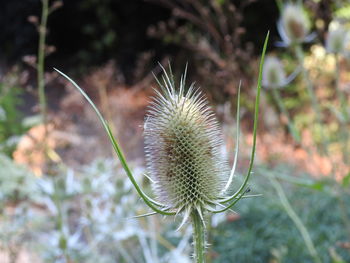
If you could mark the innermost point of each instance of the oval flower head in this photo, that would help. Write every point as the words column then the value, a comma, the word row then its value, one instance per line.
column 274, row 75
column 346, row 47
column 294, row 25
column 183, row 142
column 335, row 42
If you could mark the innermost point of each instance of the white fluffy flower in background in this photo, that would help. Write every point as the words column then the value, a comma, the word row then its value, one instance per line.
column 335, row 42
column 346, row 47
column 274, row 75
column 294, row 25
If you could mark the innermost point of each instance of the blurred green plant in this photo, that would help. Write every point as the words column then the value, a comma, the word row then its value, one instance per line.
column 101, row 37
column 264, row 232
column 38, row 63
column 296, row 219
column 11, row 119
column 293, row 34
column 17, row 188
column 83, row 216
column 294, row 31
column 90, row 218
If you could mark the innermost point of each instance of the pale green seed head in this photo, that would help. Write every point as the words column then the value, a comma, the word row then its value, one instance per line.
column 274, row 75
column 336, row 40
column 183, row 142
column 295, row 22
column 346, row 48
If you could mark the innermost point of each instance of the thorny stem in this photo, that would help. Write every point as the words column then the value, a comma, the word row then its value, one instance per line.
column 277, row 97
column 310, row 89
column 198, row 237
column 41, row 65
column 296, row 219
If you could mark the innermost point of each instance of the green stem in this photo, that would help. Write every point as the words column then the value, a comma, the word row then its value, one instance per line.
column 198, row 237
column 279, row 4
column 343, row 209
column 343, row 109
column 41, row 63
column 344, row 140
column 296, row 219
column 340, row 94
column 277, row 97
column 310, row 89
column 60, row 222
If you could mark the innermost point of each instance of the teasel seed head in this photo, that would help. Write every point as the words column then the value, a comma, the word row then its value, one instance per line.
column 274, row 75
column 346, row 47
column 182, row 143
column 335, row 42
column 295, row 23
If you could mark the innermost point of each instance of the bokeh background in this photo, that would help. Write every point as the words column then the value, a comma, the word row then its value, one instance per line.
column 63, row 194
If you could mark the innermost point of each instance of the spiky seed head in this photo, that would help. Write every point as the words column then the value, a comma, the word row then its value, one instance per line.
column 346, row 48
column 295, row 22
column 182, row 143
column 335, row 42
column 274, row 75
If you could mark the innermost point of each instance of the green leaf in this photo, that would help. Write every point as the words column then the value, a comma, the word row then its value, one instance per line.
column 346, row 180
column 304, row 182
column 240, row 192
column 150, row 202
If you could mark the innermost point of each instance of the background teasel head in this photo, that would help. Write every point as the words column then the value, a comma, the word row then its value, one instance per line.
column 182, row 142
column 274, row 75
column 346, row 47
column 294, row 24
column 335, row 42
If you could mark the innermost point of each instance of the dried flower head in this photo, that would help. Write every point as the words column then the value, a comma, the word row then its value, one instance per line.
column 273, row 73
column 182, row 142
column 295, row 23
column 335, row 42
column 346, row 47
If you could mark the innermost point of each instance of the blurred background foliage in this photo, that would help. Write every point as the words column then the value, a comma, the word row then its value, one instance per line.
column 66, row 200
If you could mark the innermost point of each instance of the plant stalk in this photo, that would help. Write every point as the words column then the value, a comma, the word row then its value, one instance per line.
column 344, row 112
column 310, row 89
column 41, row 64
column 296, row 219
column 340, row 94
column 198, row 237
column 277, row 97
